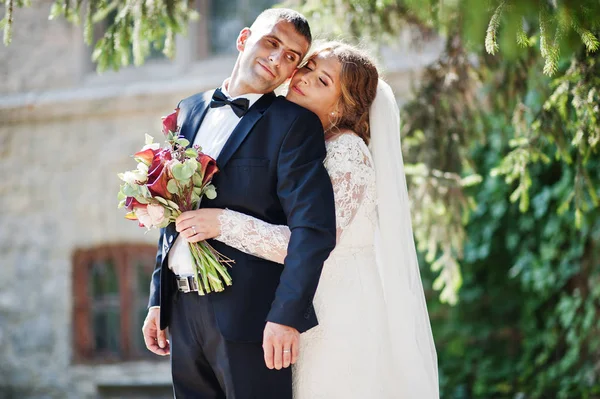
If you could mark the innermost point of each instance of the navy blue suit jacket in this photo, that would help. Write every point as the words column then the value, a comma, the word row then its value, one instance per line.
column 270, row 168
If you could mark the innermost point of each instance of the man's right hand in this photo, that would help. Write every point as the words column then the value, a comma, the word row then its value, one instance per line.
column 155, row 338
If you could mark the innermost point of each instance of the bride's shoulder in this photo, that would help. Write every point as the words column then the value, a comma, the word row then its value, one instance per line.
column 345, row 140
column 347, row 150
column 345, row 137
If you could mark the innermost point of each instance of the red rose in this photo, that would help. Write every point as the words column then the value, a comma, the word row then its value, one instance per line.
column 209, row 166
column 170, row 123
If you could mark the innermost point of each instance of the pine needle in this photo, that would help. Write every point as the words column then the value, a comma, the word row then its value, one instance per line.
column 491, row 37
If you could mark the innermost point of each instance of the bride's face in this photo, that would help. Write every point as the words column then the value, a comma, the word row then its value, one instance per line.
column 317, row 86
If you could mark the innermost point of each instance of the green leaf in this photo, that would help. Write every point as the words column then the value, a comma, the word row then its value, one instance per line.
column 192, row 153
column 130, row 190
column 177, row 171
column 183, row 142
column 187, row 171
column 197, row 179
column 471, row 180
column 173, row 204
column 210, row 192
column 172, row 186
column 161, row 200
column 149, row 139
column 491, row 41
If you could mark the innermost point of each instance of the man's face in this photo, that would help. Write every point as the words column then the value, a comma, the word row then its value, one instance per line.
column 270, row 54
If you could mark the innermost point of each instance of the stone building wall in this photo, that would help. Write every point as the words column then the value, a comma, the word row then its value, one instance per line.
column 64, row 135
column 43, row 55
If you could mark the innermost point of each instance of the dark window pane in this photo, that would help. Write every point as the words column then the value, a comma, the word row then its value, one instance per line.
column 106, row 331
column 105, row 308
column 104, row 279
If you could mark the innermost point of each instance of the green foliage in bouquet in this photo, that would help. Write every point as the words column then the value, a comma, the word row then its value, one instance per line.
column 167, row 182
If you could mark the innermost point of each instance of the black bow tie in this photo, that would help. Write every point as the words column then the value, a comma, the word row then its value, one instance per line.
column 239, row 105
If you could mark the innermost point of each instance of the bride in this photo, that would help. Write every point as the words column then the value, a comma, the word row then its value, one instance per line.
column 374, row 337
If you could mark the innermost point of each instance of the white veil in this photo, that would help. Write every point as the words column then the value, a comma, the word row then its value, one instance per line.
column 412, row 343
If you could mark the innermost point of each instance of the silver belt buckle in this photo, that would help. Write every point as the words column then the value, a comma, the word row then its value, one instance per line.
column 184, row 284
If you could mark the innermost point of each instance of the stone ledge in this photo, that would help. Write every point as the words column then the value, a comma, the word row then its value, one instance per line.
column 130, row 91
column 142, row 373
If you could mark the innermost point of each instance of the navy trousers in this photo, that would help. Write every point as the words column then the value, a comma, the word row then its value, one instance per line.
column 205, row 365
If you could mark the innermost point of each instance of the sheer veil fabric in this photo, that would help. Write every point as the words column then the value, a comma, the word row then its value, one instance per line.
column 415, row 357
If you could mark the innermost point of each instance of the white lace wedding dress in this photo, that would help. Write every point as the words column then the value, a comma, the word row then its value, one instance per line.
column 348, row 354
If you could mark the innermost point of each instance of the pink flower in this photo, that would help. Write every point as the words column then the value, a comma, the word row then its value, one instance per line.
column 143, row 217
column 156, row 213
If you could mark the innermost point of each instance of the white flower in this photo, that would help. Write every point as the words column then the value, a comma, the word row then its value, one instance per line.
column 153, row 146
column 135, row 177
column 128, row 177
column 142, row 168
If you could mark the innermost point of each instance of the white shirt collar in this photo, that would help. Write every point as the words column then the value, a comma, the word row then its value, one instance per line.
column 252, row 97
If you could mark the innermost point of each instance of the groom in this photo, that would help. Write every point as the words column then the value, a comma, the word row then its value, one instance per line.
column 239, row 343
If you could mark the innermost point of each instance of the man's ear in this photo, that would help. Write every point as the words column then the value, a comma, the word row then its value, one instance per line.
column 242, row 38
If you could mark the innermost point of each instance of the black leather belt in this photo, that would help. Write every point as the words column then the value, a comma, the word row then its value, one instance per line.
column 186, row 283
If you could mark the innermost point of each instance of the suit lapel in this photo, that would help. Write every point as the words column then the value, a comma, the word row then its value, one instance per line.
column 189, row 129
column 243, row 128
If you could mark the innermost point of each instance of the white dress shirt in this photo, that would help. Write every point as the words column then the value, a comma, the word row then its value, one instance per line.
column 214, row 131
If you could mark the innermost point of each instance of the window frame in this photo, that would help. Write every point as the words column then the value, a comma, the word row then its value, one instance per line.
column 123, row 257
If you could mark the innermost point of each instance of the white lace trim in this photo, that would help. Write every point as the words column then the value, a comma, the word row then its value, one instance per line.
column 253, row 236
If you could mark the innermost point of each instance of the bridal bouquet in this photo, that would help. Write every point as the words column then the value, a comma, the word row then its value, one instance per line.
column 167, row 182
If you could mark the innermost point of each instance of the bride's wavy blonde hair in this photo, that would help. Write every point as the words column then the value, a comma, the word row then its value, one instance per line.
column 358, row 80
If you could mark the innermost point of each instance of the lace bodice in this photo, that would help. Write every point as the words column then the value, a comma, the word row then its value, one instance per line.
column 350, row 167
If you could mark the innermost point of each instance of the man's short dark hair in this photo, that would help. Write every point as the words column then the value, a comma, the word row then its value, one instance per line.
column 285, row 14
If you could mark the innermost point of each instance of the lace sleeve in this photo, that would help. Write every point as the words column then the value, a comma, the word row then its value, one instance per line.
column 254, row 236
column 349, row 165
column 352, row 176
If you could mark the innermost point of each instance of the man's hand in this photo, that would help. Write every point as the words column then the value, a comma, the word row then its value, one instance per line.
column 281, row 345
column 199, row 225
column 155, row 338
